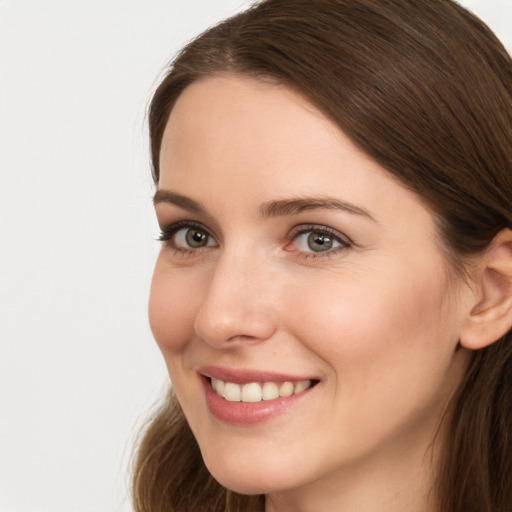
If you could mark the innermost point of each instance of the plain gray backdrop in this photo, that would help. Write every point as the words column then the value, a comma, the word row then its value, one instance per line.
column 79, row 369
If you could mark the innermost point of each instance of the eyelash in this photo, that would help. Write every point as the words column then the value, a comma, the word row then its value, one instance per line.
column 343, row 240
column 168, row 232
column 167, row 237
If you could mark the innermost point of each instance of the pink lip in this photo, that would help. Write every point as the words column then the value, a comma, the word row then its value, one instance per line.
column 241, row 413
column 247, row 376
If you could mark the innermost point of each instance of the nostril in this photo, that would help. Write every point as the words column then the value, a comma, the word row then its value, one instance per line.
column 224, row 327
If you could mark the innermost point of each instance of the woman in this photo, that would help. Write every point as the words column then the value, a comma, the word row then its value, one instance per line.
column 333, row 297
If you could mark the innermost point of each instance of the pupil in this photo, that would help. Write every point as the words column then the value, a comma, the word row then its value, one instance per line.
column 318, row 242
column 196, row 238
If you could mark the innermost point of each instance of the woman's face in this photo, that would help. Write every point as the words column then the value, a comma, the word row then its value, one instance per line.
column 292, row 260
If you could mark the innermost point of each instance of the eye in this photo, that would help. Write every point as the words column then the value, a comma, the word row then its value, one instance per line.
column 318, row 239
column 315, row 241
column 192, row 238
column 187, row 236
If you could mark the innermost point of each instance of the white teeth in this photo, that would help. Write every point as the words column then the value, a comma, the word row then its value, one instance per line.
column 218, row 385
column 232, row 392
column 286, row 389
column 301, row 386
column 255, row 392
column 251, row 392
column 270, row 391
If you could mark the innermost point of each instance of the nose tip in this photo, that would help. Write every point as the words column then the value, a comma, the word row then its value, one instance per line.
column 223, row 326
column 236, row 308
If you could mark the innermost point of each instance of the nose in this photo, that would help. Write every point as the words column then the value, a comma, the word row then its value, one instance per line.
column 238, row 303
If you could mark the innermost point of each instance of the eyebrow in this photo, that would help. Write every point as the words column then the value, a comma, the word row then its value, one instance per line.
column 167, row 196
column 275, row 208
column 298, row 205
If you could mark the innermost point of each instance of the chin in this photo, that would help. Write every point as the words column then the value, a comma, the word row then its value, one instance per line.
column 246, row 484
column 248, row 475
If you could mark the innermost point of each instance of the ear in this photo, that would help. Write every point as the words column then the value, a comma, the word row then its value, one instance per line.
column 491, row 316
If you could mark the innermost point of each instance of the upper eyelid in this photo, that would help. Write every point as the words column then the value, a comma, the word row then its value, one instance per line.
column 306, row 228
column 168, row 217
column 170, row 229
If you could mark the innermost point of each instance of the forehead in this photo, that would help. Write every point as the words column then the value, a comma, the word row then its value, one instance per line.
column 236, row 113
column 246, row 125
column 230, row 134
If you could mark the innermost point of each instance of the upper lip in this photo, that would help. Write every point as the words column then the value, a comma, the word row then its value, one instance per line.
column 245, row 376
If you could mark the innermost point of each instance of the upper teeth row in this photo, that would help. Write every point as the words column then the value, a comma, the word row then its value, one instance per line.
column 255, row 392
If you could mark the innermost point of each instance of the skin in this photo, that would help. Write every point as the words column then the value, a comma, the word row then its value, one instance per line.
column 376, row 320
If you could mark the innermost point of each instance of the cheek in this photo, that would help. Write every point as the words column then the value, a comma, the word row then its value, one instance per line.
column 382, row 327
column 172, row 307
column 389, row 350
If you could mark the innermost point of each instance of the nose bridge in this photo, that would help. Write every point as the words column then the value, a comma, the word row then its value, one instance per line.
column 237, row 305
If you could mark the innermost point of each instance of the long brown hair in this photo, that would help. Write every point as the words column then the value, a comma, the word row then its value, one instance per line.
column 425, row 88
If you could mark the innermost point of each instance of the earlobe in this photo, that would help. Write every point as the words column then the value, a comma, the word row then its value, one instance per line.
column 491, row 316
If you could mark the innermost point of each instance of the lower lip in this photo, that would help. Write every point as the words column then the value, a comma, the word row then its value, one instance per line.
column 248, row 413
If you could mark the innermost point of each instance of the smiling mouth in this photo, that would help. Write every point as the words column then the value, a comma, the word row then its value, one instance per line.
column 257, row 392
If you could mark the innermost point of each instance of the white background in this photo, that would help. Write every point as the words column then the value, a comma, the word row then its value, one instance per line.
column 78, row 366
